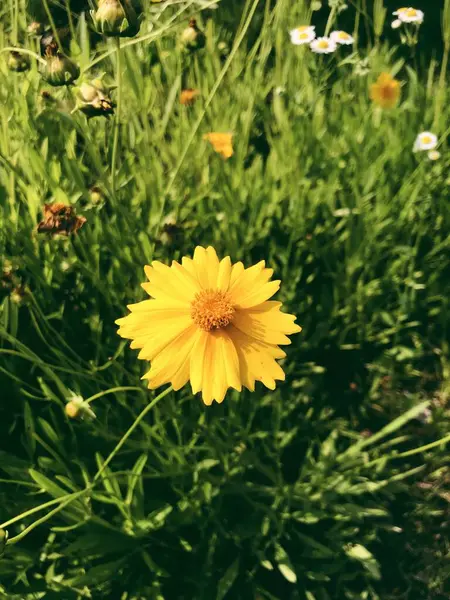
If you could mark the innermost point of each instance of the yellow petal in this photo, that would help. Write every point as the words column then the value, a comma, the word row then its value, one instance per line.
column 212, row 267
column 214, row 366
column 266, row 323
column 172, row 363
column 250, row 287
column 197, row 361
column 154, row 337
column 223, row 277
column 201, row 266
column 256, row 360
column 165, row 284
column 260, row 294
column 236, row 271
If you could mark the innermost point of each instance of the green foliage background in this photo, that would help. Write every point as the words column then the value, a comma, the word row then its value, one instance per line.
column 336, row 485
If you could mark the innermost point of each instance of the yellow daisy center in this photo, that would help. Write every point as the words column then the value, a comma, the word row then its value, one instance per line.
column 426, row 139
column 303, row 36
column 303, row 28
column 212, row 309
column 322, row 44
column 343, row 35
column 411, row 12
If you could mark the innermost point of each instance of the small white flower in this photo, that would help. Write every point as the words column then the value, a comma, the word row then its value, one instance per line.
column 341, row 37
column 425, row 141
column 302, row 35
column 396, row 24
column 434, row 155
column 409, row 15
column 323, row 45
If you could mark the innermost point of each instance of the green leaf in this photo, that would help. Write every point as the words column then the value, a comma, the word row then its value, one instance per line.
column 227, row 581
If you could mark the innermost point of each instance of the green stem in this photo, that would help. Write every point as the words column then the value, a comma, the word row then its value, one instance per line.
column 64, row 501
column 24, row 51
column 117, row 119
column 52, row 24
column 36, row 509
column 442, row 90
column 130, row 431
column 43, row 519
column 330, row 21
column 113, row 391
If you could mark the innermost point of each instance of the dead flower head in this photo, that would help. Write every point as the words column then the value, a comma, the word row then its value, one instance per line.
column 60, row 219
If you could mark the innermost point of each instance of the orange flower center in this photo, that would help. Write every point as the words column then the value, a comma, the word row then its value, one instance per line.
column 212, row 309
column 388, row 90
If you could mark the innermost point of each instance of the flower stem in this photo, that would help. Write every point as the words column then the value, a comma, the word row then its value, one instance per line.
column 67, row 499
column 117, row 120
column 130, row 431
column 52, row 24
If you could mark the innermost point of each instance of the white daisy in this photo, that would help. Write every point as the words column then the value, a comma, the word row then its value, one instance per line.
column 396, row 24
column 425, row 141
column 323, row 45
column 341, row 37
column 302, row 35
column 409, row 15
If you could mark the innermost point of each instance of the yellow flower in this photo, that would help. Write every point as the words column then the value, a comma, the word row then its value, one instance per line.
column 386, row 91
column 211, row 323
column 221, row 142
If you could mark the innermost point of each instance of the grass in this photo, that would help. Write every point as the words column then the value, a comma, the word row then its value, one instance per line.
column 335, row 485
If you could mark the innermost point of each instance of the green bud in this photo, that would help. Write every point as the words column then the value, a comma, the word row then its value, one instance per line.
column 18, row 62
column 116, row 18
column 60, row 70
column 192, row 38
column 3, row 540
column 93, row 100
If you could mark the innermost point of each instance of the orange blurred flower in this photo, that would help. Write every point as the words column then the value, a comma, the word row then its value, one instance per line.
column 386, row 91
column 221, row 142
column 189, row 96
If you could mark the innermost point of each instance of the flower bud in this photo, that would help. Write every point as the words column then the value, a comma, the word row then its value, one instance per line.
column 3, row 540
column 18, row 62
column 18, row 295
column 35, row 28
column 116, row 18
column 192, row 38
column 60, row 70
column 96, row 195
column 76, row 408
column 93, row 101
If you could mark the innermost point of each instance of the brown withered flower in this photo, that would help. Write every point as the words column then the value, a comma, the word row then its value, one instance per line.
column 189, row 96
column 60, row 219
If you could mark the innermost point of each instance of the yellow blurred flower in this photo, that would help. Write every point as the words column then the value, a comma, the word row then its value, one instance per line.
column 211, row 323
column 221, row 142
column 386, row 91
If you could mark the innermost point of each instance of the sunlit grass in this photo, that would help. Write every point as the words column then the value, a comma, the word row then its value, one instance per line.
column 282, row 494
